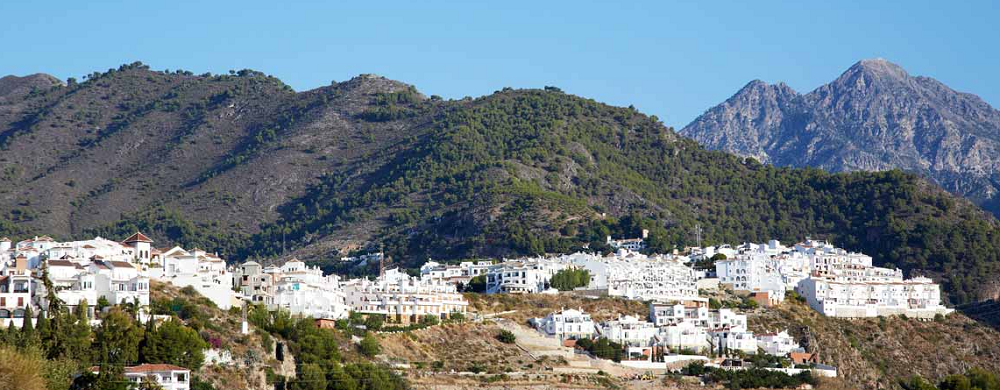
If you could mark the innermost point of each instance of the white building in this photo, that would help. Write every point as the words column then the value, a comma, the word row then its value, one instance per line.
column 15, row 291
column 403, row 298
column 632, row 244
column 837, row 297
column 567, row 324
column 523, row 276
column 630, row 331
column 684, row 335
column 777, row 343
column 668, row 314
column 654, row 278
column 167, row 376
column 206, row 273
column 256, row 286
column 727, row 341
column 304, row 290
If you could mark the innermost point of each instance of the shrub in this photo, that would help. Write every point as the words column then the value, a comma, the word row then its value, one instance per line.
column 369, row 346
column 506, row 337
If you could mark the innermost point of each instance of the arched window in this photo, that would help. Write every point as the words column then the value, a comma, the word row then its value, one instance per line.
column 18, row 313
column 4, row 313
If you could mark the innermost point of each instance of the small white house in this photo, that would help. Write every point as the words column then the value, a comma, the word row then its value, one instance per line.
column 630, row 331
column 567, row 324
column 777, row 344
column 168, row 376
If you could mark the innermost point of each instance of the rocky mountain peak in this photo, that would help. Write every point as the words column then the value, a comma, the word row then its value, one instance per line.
column 372, row 83
column 874, row 116
column 16, row 85
column 872, row 73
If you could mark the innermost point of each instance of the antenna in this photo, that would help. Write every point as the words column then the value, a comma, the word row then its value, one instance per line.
column 697, row 234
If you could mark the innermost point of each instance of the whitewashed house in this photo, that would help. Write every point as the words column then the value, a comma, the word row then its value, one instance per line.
column 15, row 291
column 304, row 290
column 567, row 324
column 777, row 343
column 630, row 331
column 206, row 273
column 167, row 376
column 726, row 341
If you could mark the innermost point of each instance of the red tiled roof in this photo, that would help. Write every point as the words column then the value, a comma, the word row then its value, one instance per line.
column 121, row 264
column 137, row 237
column 61, row 263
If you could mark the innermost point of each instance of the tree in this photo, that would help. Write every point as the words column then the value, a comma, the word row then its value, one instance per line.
column 918, row 383
column 102, row 302
column 374, row 322
column 311, row 377
column 569, row 279
column 429, row 320
column 369, row 346
column 117, row 345
column 477, row 284
column 173, row 343
column 29, row 337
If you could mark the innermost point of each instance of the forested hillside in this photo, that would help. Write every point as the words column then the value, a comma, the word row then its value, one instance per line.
column 372, row 163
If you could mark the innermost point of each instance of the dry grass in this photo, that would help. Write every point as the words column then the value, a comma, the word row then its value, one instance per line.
column 539, row 305
column 458, row 347
column 19, row 371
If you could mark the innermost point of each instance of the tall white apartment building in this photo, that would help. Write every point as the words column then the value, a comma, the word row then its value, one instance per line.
column 840, row 297
column 403, row 298
column 653, row 279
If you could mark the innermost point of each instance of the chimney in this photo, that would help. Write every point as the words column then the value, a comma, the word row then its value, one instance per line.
column 21, row 264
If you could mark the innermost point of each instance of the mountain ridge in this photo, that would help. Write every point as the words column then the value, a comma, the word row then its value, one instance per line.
column 243, row 165
column 874, row 116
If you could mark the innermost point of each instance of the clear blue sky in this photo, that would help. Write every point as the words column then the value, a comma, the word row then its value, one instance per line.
column 673, row 60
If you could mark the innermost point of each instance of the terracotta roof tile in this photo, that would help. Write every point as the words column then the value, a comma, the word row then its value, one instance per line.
column 137, row 237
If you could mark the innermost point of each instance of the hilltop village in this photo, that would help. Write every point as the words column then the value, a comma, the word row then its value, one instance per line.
column 685, row 323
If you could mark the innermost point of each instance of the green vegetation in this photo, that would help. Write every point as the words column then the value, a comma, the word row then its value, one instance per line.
column 506, row 337
column 173, row 342
column 569, row 279
column 519, row 172
column 545, row 164
column 602, row 348
column 974, row 379
column 318, row 351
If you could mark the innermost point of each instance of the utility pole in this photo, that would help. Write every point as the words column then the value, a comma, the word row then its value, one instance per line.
column 697, row 234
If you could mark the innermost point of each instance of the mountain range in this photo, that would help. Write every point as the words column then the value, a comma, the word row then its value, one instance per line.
column 874, row 117
column 243, row 165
